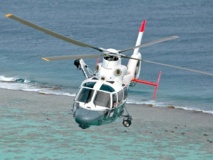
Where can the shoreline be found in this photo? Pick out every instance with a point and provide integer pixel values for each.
(25, 99)
(71, 96)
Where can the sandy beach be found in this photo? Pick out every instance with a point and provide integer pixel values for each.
(42, 125)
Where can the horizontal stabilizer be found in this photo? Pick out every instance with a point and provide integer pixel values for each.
(154, 84)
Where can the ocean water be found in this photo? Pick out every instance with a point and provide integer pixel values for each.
(111, 24)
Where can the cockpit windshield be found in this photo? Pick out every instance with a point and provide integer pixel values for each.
(102, 99)
(85, 95)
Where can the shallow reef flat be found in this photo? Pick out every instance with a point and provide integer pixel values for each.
(39, 126)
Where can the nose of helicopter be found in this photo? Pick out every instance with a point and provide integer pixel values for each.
(86, 118)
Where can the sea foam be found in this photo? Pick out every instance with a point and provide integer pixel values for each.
(15, 83)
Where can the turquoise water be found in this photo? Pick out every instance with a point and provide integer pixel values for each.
(54, 135)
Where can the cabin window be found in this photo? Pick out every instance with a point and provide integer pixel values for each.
(125, 93)
(102, 99)
(120, 96)
(114, 100)
(85, 95)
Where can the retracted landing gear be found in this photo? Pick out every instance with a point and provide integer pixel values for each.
(127, 121)
(83, 126)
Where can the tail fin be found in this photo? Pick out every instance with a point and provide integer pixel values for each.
(140, 36)
(134, 66)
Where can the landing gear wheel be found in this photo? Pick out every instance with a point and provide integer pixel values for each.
(127, 121)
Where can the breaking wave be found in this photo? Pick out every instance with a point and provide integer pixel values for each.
(15, 83)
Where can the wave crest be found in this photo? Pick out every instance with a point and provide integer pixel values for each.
(14, 83)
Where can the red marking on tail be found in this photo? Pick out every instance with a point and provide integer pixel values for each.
(143, 24)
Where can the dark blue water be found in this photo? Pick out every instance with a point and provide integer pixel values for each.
(111, 24)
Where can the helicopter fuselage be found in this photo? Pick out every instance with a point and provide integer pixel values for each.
(99, 102)
(102, 97)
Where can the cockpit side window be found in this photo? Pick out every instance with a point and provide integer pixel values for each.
(85, 95)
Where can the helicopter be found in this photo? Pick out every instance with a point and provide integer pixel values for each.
(103, 94)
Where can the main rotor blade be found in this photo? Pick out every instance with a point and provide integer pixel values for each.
(68, 57)
(128, 57)
(183, 68)
(150, 43)
(54, 34)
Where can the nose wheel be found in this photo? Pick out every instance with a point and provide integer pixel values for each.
(127, 121)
